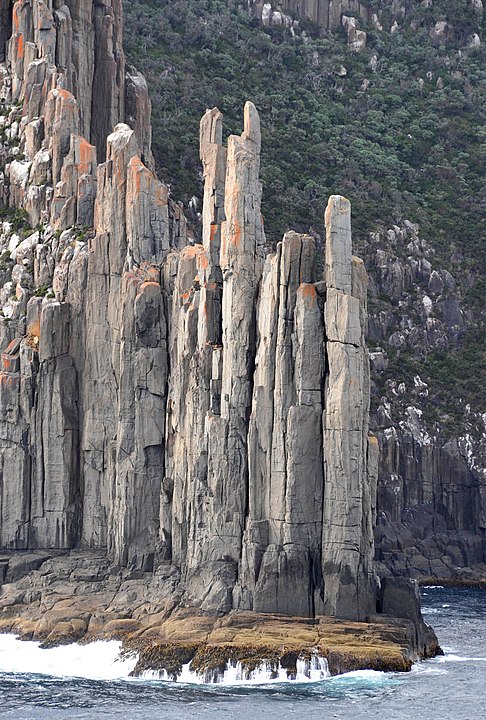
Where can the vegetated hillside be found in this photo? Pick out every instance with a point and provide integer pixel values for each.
(398, 128)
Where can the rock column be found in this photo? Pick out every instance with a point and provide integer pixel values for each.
(280, 569)
(202, 405)
(346, 526)
(217, 296)
(125, 388)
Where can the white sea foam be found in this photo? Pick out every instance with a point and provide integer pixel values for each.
(96, 661)
(428, 669)
(451, 657)
(368, 675)
(433, 587)
(308, 670)
(102, 661)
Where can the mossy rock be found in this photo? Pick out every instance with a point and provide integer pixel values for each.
(213, 659)
(344, 661)
(168, 658)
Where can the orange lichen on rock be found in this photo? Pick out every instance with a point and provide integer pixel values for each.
(191, 251)
(161, 194)
(149, 284)
(65, 95)
(236, 236)
(309, 292)
(20, 46)
(8, 381)
(213, 232)
(203, 261)
(86, 156)
(150, 273)
(10, 363)
(136, 168)
(15, 17)
(131, 278)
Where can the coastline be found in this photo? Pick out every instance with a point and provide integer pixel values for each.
(78, 597)
(211, 644)
(468, 583)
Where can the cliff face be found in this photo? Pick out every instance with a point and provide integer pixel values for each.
(325, 13)
(432, 491)
(332, 14)
(198, 406)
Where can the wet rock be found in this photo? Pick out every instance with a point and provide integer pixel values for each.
(400, 598)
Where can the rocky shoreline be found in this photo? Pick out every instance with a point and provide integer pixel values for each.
(60, 598)
(457, 582)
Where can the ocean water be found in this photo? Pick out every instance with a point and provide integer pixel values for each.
(90, 682)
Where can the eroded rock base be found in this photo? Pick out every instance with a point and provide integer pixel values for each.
(82, 597)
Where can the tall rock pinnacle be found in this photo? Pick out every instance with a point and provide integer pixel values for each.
(349, 488)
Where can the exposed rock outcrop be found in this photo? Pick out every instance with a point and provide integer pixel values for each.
(431, 489)
(356, 38)
(66, 70)
(349, 454)
(64, 598)
(395, 15)
(325, 13)
(198, 406)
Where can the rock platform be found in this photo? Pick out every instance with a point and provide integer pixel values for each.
(60, 598)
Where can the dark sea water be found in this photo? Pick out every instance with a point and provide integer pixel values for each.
(452, 687)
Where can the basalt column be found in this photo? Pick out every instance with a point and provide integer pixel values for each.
(280, 569)
(349, 488)
(126, 361)
(212, 356)
(203, 406)
(196, 354)
(241, 260)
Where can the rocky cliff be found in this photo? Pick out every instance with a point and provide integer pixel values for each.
(431, 496)
(200, 407)
(325, 13)
(426, 328)
(329, 15)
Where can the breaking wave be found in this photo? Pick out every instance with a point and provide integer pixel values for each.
(451, 657)
(103, 661)
(308, 670)
(96, 661)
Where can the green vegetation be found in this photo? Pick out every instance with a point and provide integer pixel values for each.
(400, 131)
(44, 291)
(456, 374)
(18, 219)
(398, 149)
(6, 262)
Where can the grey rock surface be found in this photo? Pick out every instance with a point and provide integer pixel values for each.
(348, 492)
(325, 13)
(431, 488)
(198, 407)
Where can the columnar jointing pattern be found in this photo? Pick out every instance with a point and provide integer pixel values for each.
(325, 13)
(272, 490)
(203, 406)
